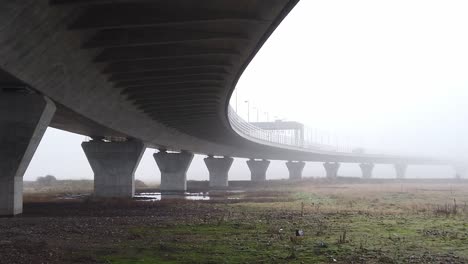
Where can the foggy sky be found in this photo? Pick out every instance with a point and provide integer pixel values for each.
(389, 75)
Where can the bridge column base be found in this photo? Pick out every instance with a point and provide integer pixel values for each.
(114, 165)
(219, 170)
(173, 167)
(366, 169)
(24, 119)
(295, 169)
(258, 169)
(400, 169)
(331, 169)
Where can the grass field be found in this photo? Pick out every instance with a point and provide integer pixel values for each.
(360, 223)
(342, 223)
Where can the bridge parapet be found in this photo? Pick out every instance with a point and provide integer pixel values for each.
(286, 133)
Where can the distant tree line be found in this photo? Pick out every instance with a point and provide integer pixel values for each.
(46, 181)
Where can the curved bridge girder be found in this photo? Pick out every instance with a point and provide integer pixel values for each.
(159, 71)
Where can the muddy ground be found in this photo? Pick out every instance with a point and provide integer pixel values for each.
(342, 223)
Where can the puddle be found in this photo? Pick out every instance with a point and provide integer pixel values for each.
(197, 196)
(72, 196)
(157, 196)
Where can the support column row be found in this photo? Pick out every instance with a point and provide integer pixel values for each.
(24, 118)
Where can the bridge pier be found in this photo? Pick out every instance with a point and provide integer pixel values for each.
(24, 118)
(460, 171)
(366, 169)
(219, 170)
(400, 169)
(173, 167)
(295, 169)
(258, 169)
(331, 169)
(114, 165)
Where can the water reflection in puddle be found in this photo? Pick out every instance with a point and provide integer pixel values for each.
(157, 196)
(197, 196)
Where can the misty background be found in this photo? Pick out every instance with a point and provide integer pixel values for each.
(389, 76)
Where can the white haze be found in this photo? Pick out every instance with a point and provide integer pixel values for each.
(388, 75)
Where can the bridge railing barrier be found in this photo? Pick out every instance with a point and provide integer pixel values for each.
(313, 139)
(275, 136)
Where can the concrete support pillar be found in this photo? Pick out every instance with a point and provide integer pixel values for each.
(460, 171)
(366, 169)
(400, 169)
(114, 165)
(219, 170)
(331, 169)
(24, 119)
(173, 167)
(258, 169)
(295, 169)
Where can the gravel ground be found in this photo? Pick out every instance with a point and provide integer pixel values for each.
(59, 232)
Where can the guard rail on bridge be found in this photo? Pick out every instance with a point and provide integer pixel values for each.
(278, 137)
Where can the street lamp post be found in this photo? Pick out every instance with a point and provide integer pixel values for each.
(256, 109)
(248, 110)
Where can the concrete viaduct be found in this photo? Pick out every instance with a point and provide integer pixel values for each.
(132, 74)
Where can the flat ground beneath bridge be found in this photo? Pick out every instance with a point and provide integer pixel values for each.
(421, 222)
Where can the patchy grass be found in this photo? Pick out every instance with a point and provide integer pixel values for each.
(357, 222)
(354, 225)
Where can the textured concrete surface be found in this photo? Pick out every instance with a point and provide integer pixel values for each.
(164, 79)
(173, 167)
(366, 169)
(295, 169)
(331, 169)
(400, 170)
(258, 169)
(114, 165)
(24, 118)
(219, 170)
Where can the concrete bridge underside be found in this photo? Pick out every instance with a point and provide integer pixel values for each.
(160, 73)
